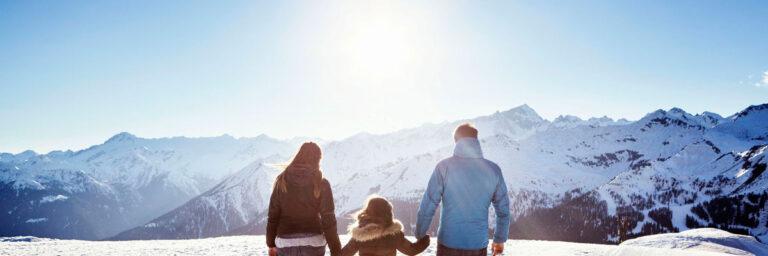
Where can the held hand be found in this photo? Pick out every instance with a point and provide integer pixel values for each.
(498, 248)
(272, 251)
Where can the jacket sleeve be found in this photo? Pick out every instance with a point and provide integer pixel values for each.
(501, 206)
(350, 249)
(429, 203)
(273, 218)
(328, 219)
(408, 248)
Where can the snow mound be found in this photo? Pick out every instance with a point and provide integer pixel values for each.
(703, 239)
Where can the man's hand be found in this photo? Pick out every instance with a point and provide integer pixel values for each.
(272, 251)
(498, 248)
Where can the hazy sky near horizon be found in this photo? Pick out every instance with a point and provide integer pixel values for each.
(74, 73)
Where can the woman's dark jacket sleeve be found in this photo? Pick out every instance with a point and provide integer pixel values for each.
(408, 248)
(273, 218)
(328, 219)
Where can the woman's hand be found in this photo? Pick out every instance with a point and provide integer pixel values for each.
(272, 251)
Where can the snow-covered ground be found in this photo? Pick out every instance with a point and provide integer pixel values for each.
(698, 242)
(703, 239)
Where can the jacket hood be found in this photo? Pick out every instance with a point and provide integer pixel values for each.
(468, 148)
(301, 174)
(373, 231)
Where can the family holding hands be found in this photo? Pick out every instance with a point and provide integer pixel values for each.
(301, 218)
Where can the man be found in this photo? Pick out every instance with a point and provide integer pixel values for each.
(467, 184)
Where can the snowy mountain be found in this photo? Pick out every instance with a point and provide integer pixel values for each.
(595, 180)
(663, 173)
(553, 169)
(341, 160)
(233, 203)
(124, 182)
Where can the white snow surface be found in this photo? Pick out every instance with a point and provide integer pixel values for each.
(700, 242)
(703, 239)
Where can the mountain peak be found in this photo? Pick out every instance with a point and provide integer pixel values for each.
(523, 111)
(27, 153)
(677, 111)
(601, 119)
(655, 114)
(567, 119)
(707, 113)
(523, 108)
(749, 110)
(123, 136)
(658, 114)
(710, 119)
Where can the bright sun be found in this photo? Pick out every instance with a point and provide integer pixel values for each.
(380, 51)
(378, 58)
(375, 47)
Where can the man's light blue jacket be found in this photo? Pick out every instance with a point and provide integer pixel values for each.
(467, 184)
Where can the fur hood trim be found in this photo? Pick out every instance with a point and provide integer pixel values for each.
(373, 231)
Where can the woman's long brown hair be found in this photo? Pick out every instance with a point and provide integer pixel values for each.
(309, 154)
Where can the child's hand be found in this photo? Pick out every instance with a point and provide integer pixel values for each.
(498, 248)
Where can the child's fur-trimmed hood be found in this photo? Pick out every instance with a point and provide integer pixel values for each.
(373, 231)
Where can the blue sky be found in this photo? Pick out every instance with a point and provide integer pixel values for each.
(74, 73)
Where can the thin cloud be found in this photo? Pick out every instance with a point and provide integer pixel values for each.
(764, 82)
(765, 78)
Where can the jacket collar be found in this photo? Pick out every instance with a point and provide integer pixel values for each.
(468, 148)
(373, 231)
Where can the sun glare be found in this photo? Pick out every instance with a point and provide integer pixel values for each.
(371, 45)
(380, 51)
(378, 60)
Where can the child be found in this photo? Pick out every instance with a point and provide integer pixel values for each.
(377, 233)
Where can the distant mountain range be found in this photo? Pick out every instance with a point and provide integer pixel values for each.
(125, 182)
(569, 179)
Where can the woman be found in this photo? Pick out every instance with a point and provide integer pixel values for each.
(377, 233)
(301, 218)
